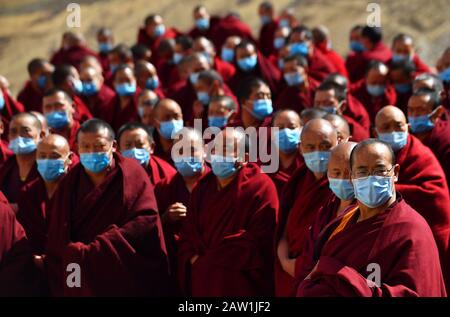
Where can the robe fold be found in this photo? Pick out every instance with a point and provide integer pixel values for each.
(232, 231)
(297, 98)
(319, 67)
(72, 56)
(70, 134)
(398, 241)
(266, 38)
(153, 42)
(225, 69)
(112, 231)
(117, 116)
(82, 112)
(228, 26)
(30, 97)
(100, 103)
(282, 176)
(159, 170)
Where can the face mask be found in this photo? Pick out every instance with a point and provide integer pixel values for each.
(42, 80)
(223, 167)
(403, 88)
(445, 75)
(141, 111)
(159, 30)
(373, 191)
(152, 83)
(342, 188)
(278, 42)
(400, 57)
(397, 139)
(22, 145)
(77, 86)
(202, 24)
(203, 97)
(284, 23)
(140, 155)
(104, 47)
(188, 166)
(95, 162)
(57, 119)
(288, 139)
(50, 170)
(169, 128)
(113, 67)
(317, 161)
(227, 55)
(2, 101)
(357, 47)
(208, 57)
(217, 121)
(293, 79)
(265, 19)
(193, 78)
(329, 109)
(248, 63)
(298, 48)
(177, 57)
(281, 63)
(421, 124)
(89, 88)
(375, 90)
(262, 108)
(126, 89)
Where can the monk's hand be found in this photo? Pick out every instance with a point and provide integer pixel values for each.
(176, 212)
(194, 258)
(197, 109)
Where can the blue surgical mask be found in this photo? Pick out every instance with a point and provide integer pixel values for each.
(278, 42)
(159, 30)
(293, 79)
(169, 128)
(317, 161)
(223, 167)
(42, 80)
(193, 78)
(281, 63)
(357, 46)
(203, 97)
(95, 162)
(400, 57)
(77, 86)
(247, 64)
(403, 88)
(227, 54)
(342, 188)
(140, 155)
(298, 49)
(421, 124)
(375, 90)
(202, 24)
(89, 88)
(288, 139)
(113, 67)
(152, 83)
(104, 47)
(397, 139)
(22, 145)
(57, 119)
(217, 121)
(2, 100)
(208, 57)
(373, 191)
(265, 19)
(284, 23)
(445, 75)
(126, 89)
(176, 58)
(329, 109)
(262, 108)
(50, 170)
(188, 166)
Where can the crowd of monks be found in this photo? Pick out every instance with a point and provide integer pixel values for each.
(359, 205)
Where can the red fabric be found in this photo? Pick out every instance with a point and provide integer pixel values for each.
(210, 33)
(30, 97)
(168, 76)
(228, 26)
(10, 109)
(421, 67)
(232, 231)
(153, 42)
(72, 56)
(402, 101)
(225, 69)
(422, 184)
(398, 240)
(158, 170)
(303, 197)
(114, 226)
(282, 176)
(70, 135)
(104, 61)
(297, 98)
(99, 103)
(356, 66)
(357, 131)
(319, 67)
(334, 58)
(373, 104)
(82, 112)
(117, 116)
(5, 152)
(266, 38)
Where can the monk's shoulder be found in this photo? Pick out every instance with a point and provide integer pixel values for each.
(421, 152)
(166, 166)
(254, 177)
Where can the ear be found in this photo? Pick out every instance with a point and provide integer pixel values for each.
(343, 106)
(396, 172)
(69, 158)
(42, 134)
(114, 146)
(438, 113)
(152, 148)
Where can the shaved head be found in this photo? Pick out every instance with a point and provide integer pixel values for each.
(319, 129)
(341, 126)
(55, 141)
(388, 118)
(340, 154)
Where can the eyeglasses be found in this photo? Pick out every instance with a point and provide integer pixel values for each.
(383, 172)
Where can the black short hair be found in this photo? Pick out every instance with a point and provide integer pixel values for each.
(139, 51)
(134, 126)
(105, 31)
(35, 64)
(438, 86)
(244, 43)
(341, 94)
(373, 33)
(186, 42)
(402, 37)
(247, 87)
(122, 67)
(408, 68)
(61, 73)
(150, 18)
(227, 101)
(301, 29)
(266, 5)
(123, 52)
(94, 126)
(301, 61)
(434, 96)
(312, 113)
(338, 79)
(54, 91)
(210, 76)
(375, 64)
(37, 123)
(369, 142)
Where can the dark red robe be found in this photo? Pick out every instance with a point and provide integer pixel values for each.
(11, 108)
(398, 240)
(99, 103)
(356, 110)
(30, 97)
(421, 67)
(319, 67)
(72, 56)
(228, 26)
(115, 227)
(168, 75)
(402, 101)
(225, 69)
(266, 38)
(117, 116)
(355, 63)
(357, 131)
(282, 176)
(297, 98)
(232, 231)
(210, 33)
(82, 112)
(334, 58)
(5, 152)
(159, 170)
(104, 61)
(153, 42)
(70, 135)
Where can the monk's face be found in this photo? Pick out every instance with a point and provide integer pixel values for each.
(259, 92)
(426, 83)
(375, 77)
(25, 127)
(46, 71)
(293, 67)
(103, 38)
(287, 120)
(147, 101)
(343, 132)
(232, 42)
(247, 51)
(229, 144)
(198, 65)
(167, 110)
(90, 142)
(218, 109)
(402, 47)
(58, 102)
(203, 45)
(355, 35)
(326, 99)
(189, 146)
(282, 32)
(145, 73)
(124, 76)
(339, 165)
(203, 86)
(399, 77)
(52, 148)
(137, 138)
(201, 13)
(150, 27)
(318, 139)
(91, 75)
(391, 120)
(420, 106)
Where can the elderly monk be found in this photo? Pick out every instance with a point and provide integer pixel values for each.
(147, 101)
(229, 252)
(222, 111)
(382, 233)
(421, 181)
(306, 191)
(403, 49)
(104, 214)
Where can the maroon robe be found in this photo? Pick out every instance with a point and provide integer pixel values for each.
(333, 57)
(355, 63)
(159, 170)
(356, 110)
(82, 112)
(104, 61)
(297, 98)
(229, 26)
(70, 135)
(282, 176)
(153, 42)
(5, 152)
(402, 101)
(266, 38)
(225, 69)
(398, 240)
(99, 103)
(209, 33)
(10, 109)
(30, 97)
(168, 75)
(117, 116)
(319, 67)
(72, 56)
(234, 242)
(421, 67)
(114, 226)
(357, 131)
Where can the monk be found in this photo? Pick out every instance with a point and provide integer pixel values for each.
(104, 214)
(205, 24)
(421, 181)
(374, 91)
(403, 49)
(311, 113)
(228, 49)
(54, 158)
(222, 111)
(147, 101)
(8, 108)
(141, 53)
(355, 59)
(119, 55)
(280, 50)
(333, 99)
(341, 125)
(428, 121)
(288, 145)
(5, 152)
(401, 74)
(73, 49)
(58, 110)
(229, 252)
(306, 191)
(269, 24)
(380, 248)
(300, 89)
(31, 94)
(288, 18)
(147, 78)
(25, 132)
(43, 121)
(136, 142)
(231, 25)
(105, 42)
